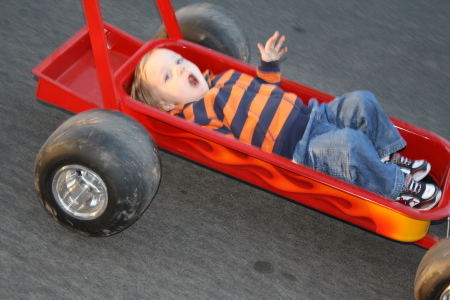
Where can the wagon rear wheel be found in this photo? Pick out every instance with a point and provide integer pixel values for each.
(97, 173)
(211, 26)
(433, 274)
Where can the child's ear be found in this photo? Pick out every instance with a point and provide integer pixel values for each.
(166, 106)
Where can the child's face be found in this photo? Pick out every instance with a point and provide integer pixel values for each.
(177, 80)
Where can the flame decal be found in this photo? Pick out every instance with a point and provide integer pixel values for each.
(302, 189)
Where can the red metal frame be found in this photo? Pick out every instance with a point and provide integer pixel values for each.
(94, 69)
(169, 19)
(99, 45)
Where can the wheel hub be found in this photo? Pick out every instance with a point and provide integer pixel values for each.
(445, 294)
(80, 192)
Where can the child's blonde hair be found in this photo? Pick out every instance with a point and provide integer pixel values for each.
(141, 90)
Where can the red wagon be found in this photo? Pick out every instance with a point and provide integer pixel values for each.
(99, 171)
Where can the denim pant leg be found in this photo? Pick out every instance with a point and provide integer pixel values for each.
(347, 139)
(348, 154)
(361, 111)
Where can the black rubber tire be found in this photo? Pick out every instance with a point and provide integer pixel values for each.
(433, 273)
(211, 26)
(119, 150)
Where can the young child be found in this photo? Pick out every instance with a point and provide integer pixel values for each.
(350, 138)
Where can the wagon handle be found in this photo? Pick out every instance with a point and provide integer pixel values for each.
(170, 21)
(97, 37)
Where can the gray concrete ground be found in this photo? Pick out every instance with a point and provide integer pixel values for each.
(207, 236)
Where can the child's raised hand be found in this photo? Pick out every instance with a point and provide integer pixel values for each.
(272, 51)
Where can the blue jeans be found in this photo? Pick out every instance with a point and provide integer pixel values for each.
(347, 138)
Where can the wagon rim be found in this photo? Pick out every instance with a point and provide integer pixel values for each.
(80, 192)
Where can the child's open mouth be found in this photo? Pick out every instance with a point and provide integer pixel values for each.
(193, 81)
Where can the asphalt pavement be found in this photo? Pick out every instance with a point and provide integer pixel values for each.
(206, 235)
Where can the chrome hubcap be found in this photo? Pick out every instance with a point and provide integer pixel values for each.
(80, 192)
(446, 294)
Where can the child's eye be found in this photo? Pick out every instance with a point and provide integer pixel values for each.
(179, 61)
(167, 77)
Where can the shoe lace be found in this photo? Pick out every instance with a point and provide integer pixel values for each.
(403, 160)
(413, 187)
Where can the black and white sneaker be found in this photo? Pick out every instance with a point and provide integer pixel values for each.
(420, 195)
(417, 168)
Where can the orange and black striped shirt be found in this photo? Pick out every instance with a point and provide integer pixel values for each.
(253, 110)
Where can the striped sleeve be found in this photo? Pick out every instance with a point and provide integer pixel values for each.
(269, 72)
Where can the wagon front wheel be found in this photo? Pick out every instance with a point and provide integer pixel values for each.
(98, 172)
(213, 27)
